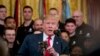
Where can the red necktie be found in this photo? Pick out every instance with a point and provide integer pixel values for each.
(48, 42)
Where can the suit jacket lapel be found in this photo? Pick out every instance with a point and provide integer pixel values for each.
(56, 44)
(40, 38)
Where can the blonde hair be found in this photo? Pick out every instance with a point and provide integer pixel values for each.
(51, 18)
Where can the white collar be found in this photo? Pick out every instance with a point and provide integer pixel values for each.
(46, 36)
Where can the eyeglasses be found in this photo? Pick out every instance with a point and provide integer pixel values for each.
(76, 16)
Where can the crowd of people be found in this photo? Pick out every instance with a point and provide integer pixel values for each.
(48, 36)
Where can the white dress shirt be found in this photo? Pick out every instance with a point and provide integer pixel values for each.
(45, 38)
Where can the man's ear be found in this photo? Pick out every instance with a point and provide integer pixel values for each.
(57, 27)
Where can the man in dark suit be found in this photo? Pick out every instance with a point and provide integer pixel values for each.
(55, 45)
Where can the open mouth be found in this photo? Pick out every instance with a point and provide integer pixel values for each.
(50, 30)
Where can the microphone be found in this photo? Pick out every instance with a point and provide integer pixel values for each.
(43, 46)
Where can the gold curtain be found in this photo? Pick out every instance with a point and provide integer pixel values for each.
(74, 5)
(84, 9)
(79, 5)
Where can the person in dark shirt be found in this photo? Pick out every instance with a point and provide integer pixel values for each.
(70, 26)
(26, 27)
(3, 14)
(82, 28)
